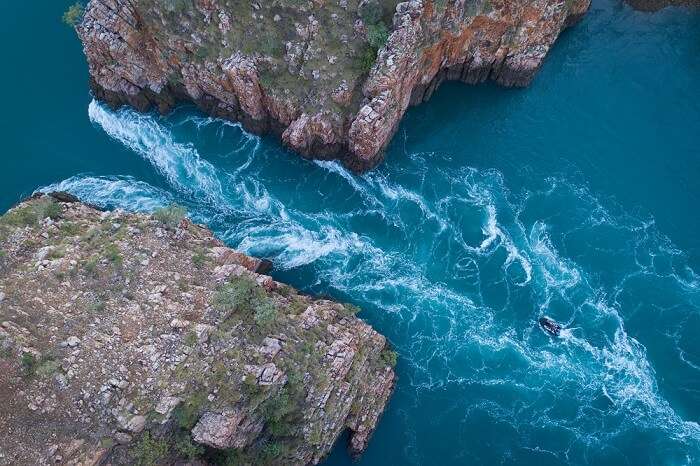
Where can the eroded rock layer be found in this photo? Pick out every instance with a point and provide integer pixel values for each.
(129, 339)
(330, 77)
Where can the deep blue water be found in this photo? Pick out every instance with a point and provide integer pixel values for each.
(577, 197)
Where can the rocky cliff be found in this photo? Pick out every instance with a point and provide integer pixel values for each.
(132, 339)
(331, 77)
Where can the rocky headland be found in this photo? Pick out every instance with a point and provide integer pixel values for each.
(332, 78)
(135, 339)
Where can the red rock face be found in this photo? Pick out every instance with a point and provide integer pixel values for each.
(507, 45)
(431, 41)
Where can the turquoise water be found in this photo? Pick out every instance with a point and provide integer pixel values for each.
(576, 197)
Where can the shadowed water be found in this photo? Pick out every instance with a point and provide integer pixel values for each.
(576, 198)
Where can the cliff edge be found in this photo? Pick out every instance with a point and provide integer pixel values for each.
(135, 339)
(332, 78)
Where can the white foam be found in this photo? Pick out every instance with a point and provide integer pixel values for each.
(123, 192)
(179, 163)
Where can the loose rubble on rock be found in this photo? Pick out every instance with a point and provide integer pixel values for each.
(332, 78)
(134, 339)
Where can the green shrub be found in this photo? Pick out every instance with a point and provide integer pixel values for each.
(377, 35)
(42, 367)
(270, 451)
(170, 216)
(29, 364)
(388, 357)
(240, 295)
(278, 413)
(187, 448)
(74, 14)
(366, 60)
(48, 208)
(149, 450)
(187, 412)
(235, 457)
(266, 313)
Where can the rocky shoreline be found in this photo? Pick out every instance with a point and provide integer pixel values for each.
(306, 71)
(135, 339)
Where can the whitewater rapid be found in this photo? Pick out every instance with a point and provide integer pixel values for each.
(450, 264)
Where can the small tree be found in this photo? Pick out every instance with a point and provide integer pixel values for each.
(74, 14)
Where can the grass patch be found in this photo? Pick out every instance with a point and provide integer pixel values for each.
(43, 367)
(69, 228)
(47, 368)
(32, 213)
(112, 253)
(190, 339)
(199, 259)
(57, 253)
(297, 305)
(90, 266)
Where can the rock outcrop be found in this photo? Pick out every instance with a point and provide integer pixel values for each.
(332, 78)
(132, 339)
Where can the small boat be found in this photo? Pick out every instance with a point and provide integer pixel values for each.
(550, 326)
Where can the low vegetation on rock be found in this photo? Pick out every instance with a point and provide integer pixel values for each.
(115, 347)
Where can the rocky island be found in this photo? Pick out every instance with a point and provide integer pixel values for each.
(135, 339)
(332, 78)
